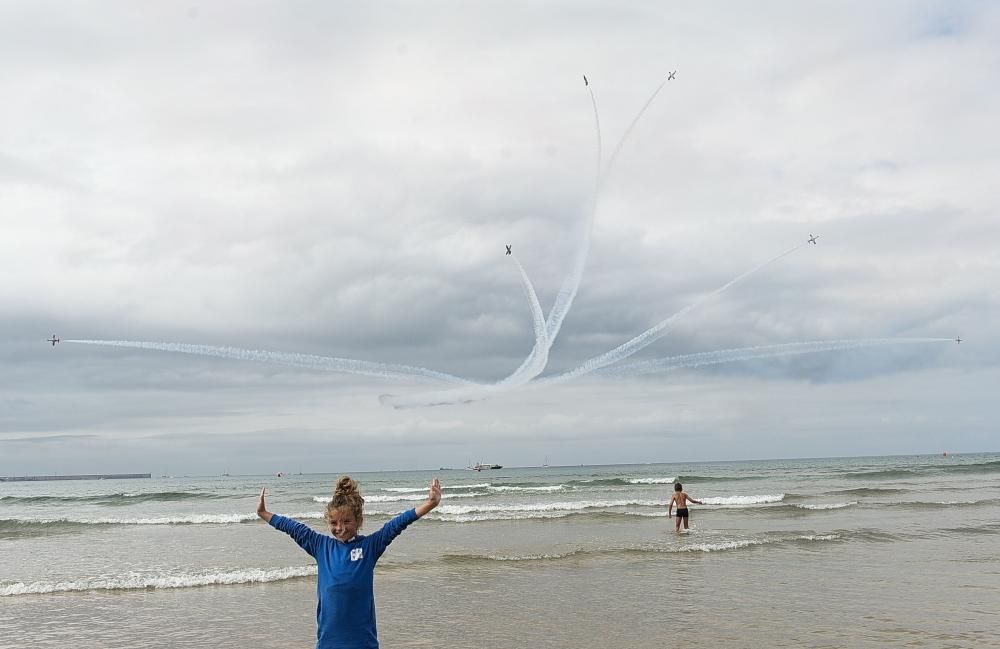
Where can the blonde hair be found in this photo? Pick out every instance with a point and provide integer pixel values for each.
(346, 494)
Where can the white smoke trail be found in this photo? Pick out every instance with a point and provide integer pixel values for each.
(536, 361)
(309, 361)
(600, 149)
(529, 369)
(684, 361)
(571, 285)
(658, 330)
(532, 366)
(701, 359)
(628, 131)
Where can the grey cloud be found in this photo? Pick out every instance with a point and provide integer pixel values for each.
(340, 179)
(43, 439)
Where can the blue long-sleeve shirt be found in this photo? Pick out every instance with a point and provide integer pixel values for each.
(345, 612)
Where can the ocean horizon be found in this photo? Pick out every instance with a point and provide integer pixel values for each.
(146, 474)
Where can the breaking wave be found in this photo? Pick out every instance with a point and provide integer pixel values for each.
(134, 581)
(112, 499)
(686, 545)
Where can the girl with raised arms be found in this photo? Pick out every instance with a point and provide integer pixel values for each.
(345, 615)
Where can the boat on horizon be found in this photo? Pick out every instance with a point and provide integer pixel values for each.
(479, 466)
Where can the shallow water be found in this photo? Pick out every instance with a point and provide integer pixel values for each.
(856, 552)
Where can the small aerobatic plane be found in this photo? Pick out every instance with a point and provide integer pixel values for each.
(508, 248)
(671, 75)
(958, 340)
(53, 340)
(812, 238)
(585, 82)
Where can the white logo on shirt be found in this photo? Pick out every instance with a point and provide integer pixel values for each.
(357, 554)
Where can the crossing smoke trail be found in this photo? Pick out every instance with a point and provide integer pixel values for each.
(623, 351)
(532, 366)
(571, 285)
(658, 330)
(545, 330)
(535, 363)
(325, 363)
(688, 361)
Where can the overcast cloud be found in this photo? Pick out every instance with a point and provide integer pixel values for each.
(340, 179)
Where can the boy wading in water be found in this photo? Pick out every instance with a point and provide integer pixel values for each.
(345, 615)
(681, 499)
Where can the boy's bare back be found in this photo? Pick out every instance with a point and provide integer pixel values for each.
(680, 499)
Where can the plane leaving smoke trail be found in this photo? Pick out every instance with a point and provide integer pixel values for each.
(600, 150)
(546, 331)
(628, 131)
(571, 285)
(564, 300)
(658, 330)
(532, 366)
(688, 361)
(535, 363)
(325, 363)
(651, 335)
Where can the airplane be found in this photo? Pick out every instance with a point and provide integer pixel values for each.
(671, 75)
(958, 340)
(53, 340)
(812, 238)
(508, 248)
(585, 82)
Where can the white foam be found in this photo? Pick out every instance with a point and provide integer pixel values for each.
(555, 487)
(652, 480)
(498, 516)
(481, 485)
(523, 516)
(724, 545)
(819, 537)
(829, 505)
(745, 543)
(528, 557)
(189, 519)
(405, 497)
(541, 507)
(521, 511)
(134, 581)
(742, 501)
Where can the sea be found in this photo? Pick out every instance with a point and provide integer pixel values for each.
(835, 552)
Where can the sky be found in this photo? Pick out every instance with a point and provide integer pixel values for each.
(341, 179)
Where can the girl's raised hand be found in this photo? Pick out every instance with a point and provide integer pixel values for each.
(433, 498)
(262, 508)
(435, 493)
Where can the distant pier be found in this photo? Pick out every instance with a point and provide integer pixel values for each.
(95, 476)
